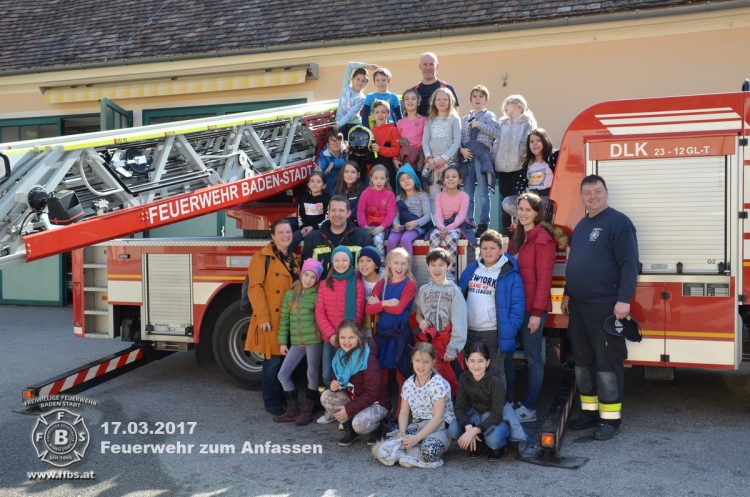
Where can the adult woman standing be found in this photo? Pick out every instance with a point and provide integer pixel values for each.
(272, 271)
(534, 248)
(510, 148)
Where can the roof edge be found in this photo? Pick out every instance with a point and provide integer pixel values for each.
(707, 6)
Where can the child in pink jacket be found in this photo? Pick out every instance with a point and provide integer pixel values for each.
(340, 296)
(377, 207)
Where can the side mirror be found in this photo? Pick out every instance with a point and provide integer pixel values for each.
(4, 169)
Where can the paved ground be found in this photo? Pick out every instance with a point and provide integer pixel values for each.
(688, 437)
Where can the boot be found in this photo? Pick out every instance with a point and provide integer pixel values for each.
(377, 433)
(349, 435)
(292, 408)
(306, 413)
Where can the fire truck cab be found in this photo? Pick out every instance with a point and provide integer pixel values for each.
(677, 166)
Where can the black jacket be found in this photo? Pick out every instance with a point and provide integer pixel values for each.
(318, 243)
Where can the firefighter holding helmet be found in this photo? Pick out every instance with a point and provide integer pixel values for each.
(601, 276)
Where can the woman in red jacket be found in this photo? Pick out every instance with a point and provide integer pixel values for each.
(534, 248)
(357, 396)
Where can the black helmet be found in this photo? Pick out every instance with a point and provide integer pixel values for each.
(627, 328)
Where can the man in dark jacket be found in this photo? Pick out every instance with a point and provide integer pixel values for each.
(600, 280)
(337, 230)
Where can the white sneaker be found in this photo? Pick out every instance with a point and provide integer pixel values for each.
(326, 418)
(525, 415)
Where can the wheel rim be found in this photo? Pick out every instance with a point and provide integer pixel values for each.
(247, 361)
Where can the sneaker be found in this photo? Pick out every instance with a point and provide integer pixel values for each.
(477, 453)
(326, 418)
(583, 422)
(525, 415)
(605, 431)
(481, 228)
(496, 454)
(528, 450)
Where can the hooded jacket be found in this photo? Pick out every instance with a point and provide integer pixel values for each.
(511, 146)
(318, 243)
(510, 303)
(536, 259)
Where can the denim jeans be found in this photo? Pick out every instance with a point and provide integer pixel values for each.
(482, 191)
(532, 348)
(273, 393)
(327, 361)
(495, 437)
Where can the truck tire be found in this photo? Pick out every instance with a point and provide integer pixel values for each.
(242, 367)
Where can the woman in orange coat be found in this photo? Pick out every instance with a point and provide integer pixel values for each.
(268, 284)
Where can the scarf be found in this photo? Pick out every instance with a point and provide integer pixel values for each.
(288, 261)
(350, 301)
(356, 363)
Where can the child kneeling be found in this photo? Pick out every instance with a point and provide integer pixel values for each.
(357, 397)
(427, 398)
(483, 418)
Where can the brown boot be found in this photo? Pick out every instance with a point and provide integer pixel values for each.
(306, 413)
(292, 408)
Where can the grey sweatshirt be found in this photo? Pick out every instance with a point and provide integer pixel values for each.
(419, 205)
(442, 305)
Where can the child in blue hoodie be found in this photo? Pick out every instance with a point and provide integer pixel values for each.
(495, 301)
(332, 158)
(412, 219)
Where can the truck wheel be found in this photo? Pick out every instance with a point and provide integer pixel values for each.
(242, 367)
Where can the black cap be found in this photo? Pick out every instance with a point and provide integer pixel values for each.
(627, 328)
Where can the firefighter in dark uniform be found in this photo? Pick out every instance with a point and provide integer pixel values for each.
(600, 280)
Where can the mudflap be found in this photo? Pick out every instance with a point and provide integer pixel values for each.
(553, 429)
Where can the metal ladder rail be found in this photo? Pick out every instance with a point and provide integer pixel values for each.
(176, 168)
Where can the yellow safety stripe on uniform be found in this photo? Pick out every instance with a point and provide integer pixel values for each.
(589, 402)
(610, 411)
(609, 415)
(325, 249)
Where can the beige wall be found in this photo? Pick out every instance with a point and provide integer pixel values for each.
(560, 71)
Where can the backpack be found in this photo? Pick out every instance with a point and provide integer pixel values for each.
(244, 299)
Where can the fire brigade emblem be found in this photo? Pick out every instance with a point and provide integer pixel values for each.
(60, 438)
(594, 234)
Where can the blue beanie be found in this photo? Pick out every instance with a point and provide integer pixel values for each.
(372, 253)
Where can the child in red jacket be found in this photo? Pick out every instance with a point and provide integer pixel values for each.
(341, 296)
(387, 139)
(357, 396)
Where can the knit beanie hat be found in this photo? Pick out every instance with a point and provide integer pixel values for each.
(312, 265)
(372, 253)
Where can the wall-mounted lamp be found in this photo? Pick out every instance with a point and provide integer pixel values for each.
(505, 79)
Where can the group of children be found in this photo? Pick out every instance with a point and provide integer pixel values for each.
(426, 160)
(394, 358)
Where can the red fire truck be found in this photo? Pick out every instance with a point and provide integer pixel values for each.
(674, 165)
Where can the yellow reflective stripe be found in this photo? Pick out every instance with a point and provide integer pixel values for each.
(320, 250)
(589, 403)
(610, 407)
(609, 415)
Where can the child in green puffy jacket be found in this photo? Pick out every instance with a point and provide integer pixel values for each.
(298, 327)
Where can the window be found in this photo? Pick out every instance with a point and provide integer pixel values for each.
(159, 116)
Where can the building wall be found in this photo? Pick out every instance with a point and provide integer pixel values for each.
(560, 70)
